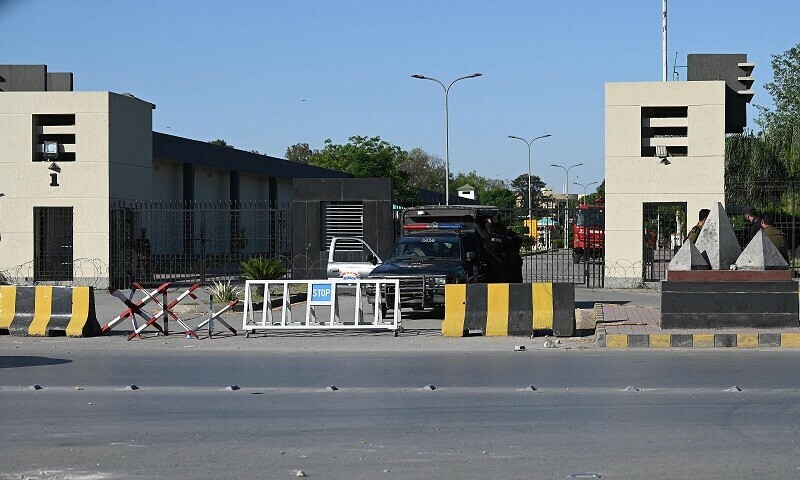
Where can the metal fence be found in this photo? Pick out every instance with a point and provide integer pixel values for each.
(778, 199)
(186, 242)
(663, 233)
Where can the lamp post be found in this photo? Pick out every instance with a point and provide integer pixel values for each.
(446, 128)
(584, 188)
(530, 202)
(566, 197)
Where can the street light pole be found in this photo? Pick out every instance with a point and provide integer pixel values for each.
(530, 202)
(566, 197)
(584, 189)
(446, 127)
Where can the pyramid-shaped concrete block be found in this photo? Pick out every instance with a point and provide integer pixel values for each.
(761, 254)
(717, 242)
(688, 258)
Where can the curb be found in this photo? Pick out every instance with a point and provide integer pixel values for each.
(695, 340)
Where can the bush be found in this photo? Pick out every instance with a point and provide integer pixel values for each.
(4, 279)
(225, 292)
(263, 269)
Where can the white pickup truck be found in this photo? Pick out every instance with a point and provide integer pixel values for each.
(351, 258)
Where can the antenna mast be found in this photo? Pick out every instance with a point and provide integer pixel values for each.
(663, 40)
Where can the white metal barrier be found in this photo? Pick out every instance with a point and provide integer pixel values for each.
(323, 293)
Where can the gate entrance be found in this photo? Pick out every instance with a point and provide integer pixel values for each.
(664, 231)
(52, 244)
(562, 243)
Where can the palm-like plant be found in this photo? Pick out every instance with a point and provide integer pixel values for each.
(225, 292)
(263, 269)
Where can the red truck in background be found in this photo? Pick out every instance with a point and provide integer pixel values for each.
(588, 232)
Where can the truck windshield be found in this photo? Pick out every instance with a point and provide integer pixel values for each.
(427, 247)
(590, 217)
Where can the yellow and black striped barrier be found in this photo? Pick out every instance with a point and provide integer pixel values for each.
(502, 309)
(48, 311)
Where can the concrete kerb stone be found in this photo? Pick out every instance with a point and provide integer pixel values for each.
(660, 340)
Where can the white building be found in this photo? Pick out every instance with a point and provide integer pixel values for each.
(54, 209)
(665, 145)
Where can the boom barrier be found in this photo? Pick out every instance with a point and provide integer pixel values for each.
(323, 305)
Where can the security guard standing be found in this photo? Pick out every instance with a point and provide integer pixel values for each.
(695, 231)
(777, 237)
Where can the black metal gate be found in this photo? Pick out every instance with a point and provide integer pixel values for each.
(52, 244)
(186, 242)
(663, 232)
(560, 243)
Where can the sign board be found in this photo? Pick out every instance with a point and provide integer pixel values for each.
(321, 293)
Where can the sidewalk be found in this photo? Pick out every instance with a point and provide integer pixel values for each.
(630, 326)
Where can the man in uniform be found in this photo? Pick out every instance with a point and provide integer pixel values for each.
(753, 220)
(695, 231)
(492, 235)
(777, 237)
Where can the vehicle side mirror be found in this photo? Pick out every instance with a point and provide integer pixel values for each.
(372, 259)
(472, 256)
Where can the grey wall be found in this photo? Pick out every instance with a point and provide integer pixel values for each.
(375, 194)
(23, 78)
(704, 67)
(59, 82)
(33, 78)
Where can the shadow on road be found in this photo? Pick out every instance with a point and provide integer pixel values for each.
(16, 361)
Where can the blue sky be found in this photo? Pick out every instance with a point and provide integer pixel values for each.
(268, 74)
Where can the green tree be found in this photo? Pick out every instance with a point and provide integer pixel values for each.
(481, 183)
(520, 188)
(368, 157)
(221, 143)
(785, 92)
(499, 197)
(424, 170)
(299, 152)
(599, 195)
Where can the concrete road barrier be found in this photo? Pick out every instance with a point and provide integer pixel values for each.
(503, 309)
(48, 311)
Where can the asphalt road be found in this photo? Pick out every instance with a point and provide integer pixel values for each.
(479, 422)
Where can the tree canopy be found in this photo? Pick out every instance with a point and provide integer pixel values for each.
(599, 195)
(299, 152)
(221, 143)
(481, 184)
(424, 170)
(785, 92)
(773, 154)
(520, 187)
(367, 157)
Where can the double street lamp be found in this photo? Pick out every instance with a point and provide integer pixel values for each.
(446, 128)
(584, 188)
(566, 170)
(530, 204)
